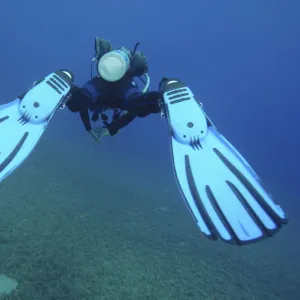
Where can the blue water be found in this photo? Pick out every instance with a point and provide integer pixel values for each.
(115, 206)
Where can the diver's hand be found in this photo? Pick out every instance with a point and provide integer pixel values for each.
(99, 133)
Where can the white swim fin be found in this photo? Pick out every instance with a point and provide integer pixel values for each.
(223, 193)
(23, 120)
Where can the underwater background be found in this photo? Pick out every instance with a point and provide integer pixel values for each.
(81, 220)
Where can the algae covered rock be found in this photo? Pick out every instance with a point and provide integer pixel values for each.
(7, 285)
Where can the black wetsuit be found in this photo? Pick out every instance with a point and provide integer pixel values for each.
(97, 95)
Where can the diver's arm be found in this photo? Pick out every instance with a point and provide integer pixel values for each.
(138, 105)
(119, 123)
(79, 102)
(113, 128)
(144, 104)
(86, 119)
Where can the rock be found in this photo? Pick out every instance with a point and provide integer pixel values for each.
(7, 285)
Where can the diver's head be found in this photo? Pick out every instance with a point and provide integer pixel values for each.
(113, 65)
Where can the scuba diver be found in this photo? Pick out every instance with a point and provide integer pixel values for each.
(224, 195)
(114, 88)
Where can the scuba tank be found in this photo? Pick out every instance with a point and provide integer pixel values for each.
(137, 67)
